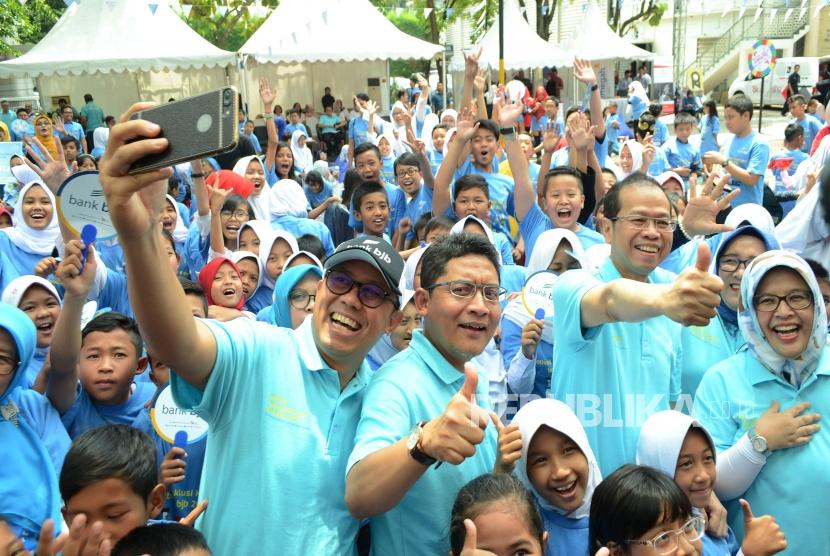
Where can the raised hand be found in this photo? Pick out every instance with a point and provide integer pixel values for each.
(584, 72)
(191, 518)
(510, 445)
(580, 134)
(466, 123)
(551, 138)
(81, 540)
(75, 274)
(471, 65)
(470, 541)
(788, 428)
(454, 435)
(46, 266)
(134, 201)
(217, 198)
(702, 209)
(480, 81)
(762, 535)
(267, 94)
(531, 336)
(695, 294)
(508, 112)
(173, 466)
(371, 107)
(52, 171)
(648, 151)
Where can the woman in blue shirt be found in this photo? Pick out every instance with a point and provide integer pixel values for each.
(709, 127)
(754, 404)
(638, 99)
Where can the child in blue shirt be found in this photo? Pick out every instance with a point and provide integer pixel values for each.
(106, 356)
(786, 163)
(417, 184)
(683, 157)
(661, 130)
(556, 464)
(34, 441)
(551, 119)
(810, 124)
(371, 209)
(709, 127)
(367, 162)
(612, 128)
(646, 128)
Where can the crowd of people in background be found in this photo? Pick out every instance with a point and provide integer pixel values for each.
(344, 300)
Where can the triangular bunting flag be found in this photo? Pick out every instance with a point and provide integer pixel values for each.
(222, 10)
(818, 9)
(22, 1)
(325, 15)
(803, 11)
(186, 9)
(741, 13)
(427, 11)
(757, 14)
(153, 8)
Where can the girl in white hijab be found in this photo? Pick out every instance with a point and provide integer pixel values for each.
(303, 159)
(557, 465)
(631, 158)
(252, 168)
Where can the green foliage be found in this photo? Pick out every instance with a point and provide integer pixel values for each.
(26, 23)
(230, 30)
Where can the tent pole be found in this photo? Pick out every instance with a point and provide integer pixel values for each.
(501, 42)
(243, 83)
(137, 87)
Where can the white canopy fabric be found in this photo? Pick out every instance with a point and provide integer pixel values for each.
(332, 31)
(105, 36)
(523, 48)
(595, 41)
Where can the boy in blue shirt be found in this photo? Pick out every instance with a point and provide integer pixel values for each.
(612, 128)
(808, 122)
(788, 160)
(371, 209)
(748, 155)
(551, 119)
(358, 130)
(661, 130)
(414, 176)
(293, 125)
(367, 163)
(106, 356)
(683, 157)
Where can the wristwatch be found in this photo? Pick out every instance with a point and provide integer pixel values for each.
(759, 443)
(594, 87)
(413, 444)
(507, 131)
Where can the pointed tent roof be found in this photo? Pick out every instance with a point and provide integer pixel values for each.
(115, 36)
(523, 48)
(595, 41)
(332, 30)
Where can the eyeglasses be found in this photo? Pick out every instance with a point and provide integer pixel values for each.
(7, 365)
(299, 299)
(467, 290)
(797, 300)
(370, 295)
(666, 543)
(407, 173)
(731, 264)
(639, 222)
(238, 214)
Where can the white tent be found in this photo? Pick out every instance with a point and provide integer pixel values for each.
(124, 50)
(595, 41)
(302, 45)
(523, 48)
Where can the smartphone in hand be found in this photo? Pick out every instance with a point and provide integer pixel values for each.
(196, 127)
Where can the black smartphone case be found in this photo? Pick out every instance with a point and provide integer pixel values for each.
(196, 127)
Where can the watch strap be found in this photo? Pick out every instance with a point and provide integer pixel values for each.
(417, 453)
(507, 131)
(594, 87)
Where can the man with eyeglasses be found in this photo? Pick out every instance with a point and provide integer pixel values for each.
(423, 431)
(618, 356)
(282, 405)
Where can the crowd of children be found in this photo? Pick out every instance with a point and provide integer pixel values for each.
(362, 350)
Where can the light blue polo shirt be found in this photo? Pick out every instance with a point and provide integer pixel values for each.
(536, 222)
(682, 155)
(416, 385)
(614, 376)
(751, 153)
(794, 482)
(704, 346)
(280, 434)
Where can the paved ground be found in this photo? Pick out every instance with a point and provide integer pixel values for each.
(773, 125)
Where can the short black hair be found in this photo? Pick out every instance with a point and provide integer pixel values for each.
(486, 490)
(490, 126)
(21, 109)
(797, 98)
(470, 181)
(684, 118)
(792, 131)
(312, 244)
(740, 103)
(109, 119)
(87, 97)
(362, 96)
(655, 109)
(561, 171)
(350, 182)
(82, 157)
(421, 222)
(571, 109)
(164, 539)
(441, 221)
(712, 106)
(314, 177)
(69, 139)
(193, 288)
(110, 452)
(636, 179)
(365, 147)
(453, 246)
(818, 269)
(234, 201)
(107, 322)
(445, 127)
(632, 500)
(366, 188)
(407, 159)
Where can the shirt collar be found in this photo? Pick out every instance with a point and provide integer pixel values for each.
(436, 362)
(310, 355)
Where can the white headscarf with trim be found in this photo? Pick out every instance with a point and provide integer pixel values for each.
(26, 238)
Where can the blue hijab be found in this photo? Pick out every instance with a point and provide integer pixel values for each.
(286, 282)
(33, 439)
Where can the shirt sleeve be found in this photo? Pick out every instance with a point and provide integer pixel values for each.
(567, 309)
(758, 159)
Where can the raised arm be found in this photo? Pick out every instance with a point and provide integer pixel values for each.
(479, 83)
(199, 188)
(267, 94)
(523, 194)
(217, 200)
(470, 73)
(549, 141)
(466, 126)
(65, 350)
(135, 202)
(584, 72)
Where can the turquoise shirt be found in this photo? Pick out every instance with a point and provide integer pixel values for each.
(614, 376)
(704, 346)
(794, 482)
(416, 385)
(280, 433)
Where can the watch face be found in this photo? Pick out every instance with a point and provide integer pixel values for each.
(412, 441)
(759, 443)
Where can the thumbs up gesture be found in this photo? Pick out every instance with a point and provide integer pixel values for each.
(470, 541)
(510, 446)
(695, 294)
(762, 535)
(454, 435)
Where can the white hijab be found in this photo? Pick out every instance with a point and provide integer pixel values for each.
(452, 113)
(261, 228)
(311, 256)
(180, 229)
(17, 288)
(636, 89)
(34, 242)
(410, 266)
(259, 202)
(447, 137)
(559, 417)
(265, 246)
(636, 150)
(100, 137)
(237, 256)
(756, 215)
(458, 227)
(430, 121)
(303, 159)
(288, 199)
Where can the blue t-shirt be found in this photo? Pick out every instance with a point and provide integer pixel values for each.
(613, 135)
(751, 153)
(280, 123)
(76, 130)
(558, 124)
(705, 346)
(709, 129)
(327, 123)
(730, 399)
(511, 344)
(661, 133)
(358, 131)
(86, 413)
(566, 536)
(536, 222)
(811, 127)
(397, 209)
(281, 431)
(291, 128)
(797, 156)
(614, 376)
(501, 195)
(419, 204)
(638, 106)
(681, 155)
(416, 385)
(660, 163)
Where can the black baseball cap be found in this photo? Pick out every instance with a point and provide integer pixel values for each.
(378, 253)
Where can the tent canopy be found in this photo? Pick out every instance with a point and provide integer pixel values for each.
(595, 41)
(523, 48)
(332, 31)
(115, 36)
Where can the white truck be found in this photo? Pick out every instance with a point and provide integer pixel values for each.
(775, 82)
